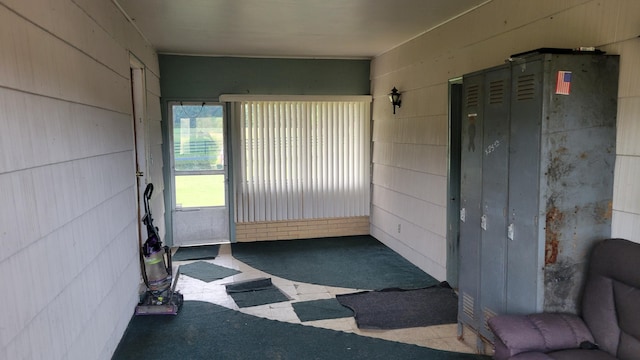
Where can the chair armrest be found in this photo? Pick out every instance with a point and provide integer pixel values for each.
(516, 334)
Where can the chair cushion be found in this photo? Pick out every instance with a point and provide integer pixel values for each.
(537, 332)
(565, 355)
(533, 355)
(580, 355)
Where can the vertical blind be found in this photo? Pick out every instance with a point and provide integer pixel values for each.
(297, 159)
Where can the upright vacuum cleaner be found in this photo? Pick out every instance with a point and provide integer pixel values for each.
(160, 297)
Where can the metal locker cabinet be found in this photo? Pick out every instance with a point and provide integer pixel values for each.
(470, 198)
(495, 181)
(484, 178)
(561, 176)
(555, 173)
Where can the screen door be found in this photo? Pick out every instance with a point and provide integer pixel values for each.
(200, 213)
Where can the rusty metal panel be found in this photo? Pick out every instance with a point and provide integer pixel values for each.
(577, 160)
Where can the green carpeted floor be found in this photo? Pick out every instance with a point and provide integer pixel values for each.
(206, 331)
(358, 262)
(203, 330)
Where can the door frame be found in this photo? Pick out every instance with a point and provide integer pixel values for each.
(453, 180)
(170, 173)
(140, 135)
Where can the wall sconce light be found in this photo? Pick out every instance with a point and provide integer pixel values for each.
(394, 97)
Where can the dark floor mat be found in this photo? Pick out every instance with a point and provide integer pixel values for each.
(255, 292)
(357, 262)
(320, 310)
(398, 309)
(207, 272)
(196, 253)
(206, 331)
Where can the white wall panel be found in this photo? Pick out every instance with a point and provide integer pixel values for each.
(411, 235)
(153, 84)
(630, 83)
(420, 213)
(75, 28)
(626, 226)
(107, 16)
(68, 216)
(417, 130)
(419, 259)
(43, 64)
(628, 126)
(20, 223)
(423, 158)
(411, 182)
(627, 195)
(80, 245)
(154, 137)
(154, 118)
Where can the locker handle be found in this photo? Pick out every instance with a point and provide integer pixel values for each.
(463, 214)
(510, 231)
(483, 222)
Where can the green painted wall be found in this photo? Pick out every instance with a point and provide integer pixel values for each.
(198, 77)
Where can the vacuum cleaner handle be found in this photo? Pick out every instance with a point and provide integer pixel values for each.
(148, 191)
(167, 251)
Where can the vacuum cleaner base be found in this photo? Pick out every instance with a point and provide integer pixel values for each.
(160, 305)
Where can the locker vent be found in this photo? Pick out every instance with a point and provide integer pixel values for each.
(473, 93)
(467, 305)
(525, 87)
(486, 315)
(496, 92)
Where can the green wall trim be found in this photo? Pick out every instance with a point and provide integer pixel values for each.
(200, 77)
(205, 78)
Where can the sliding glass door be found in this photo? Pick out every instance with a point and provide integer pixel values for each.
(200, 214)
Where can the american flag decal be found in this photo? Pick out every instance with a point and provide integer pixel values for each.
(563, 84)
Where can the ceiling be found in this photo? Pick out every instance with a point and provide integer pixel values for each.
(287, 28)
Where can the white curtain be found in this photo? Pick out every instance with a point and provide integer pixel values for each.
(301, 159)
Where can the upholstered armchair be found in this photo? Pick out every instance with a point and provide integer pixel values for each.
(609, 325)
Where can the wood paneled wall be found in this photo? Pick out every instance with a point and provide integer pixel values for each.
(69, 261)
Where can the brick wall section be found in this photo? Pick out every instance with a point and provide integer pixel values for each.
(302, 229)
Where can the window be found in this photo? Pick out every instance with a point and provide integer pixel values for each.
(198, 155)
(302, 158)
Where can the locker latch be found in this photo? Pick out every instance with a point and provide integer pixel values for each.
(463, 214)
(510, 231)
(483, 222)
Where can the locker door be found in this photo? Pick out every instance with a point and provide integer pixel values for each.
(470, 197)
(495, 175)
(524, 273)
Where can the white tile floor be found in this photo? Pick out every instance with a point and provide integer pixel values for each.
(443, 337)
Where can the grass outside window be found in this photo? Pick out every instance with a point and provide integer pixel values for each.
(193, 191)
